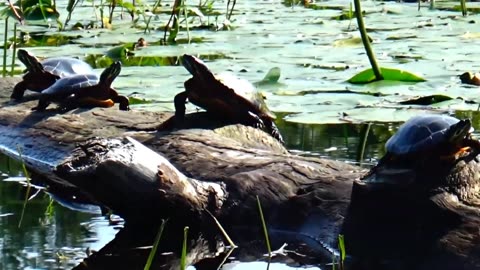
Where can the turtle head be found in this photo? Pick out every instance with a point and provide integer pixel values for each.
(198, 69)
(110, 73)
(31, 62)
(459, 131)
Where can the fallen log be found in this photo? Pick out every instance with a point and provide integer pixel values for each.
(219, 167)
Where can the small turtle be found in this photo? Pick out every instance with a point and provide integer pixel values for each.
(41, 75)
(224, 95)
(84, 91)
(432, 133)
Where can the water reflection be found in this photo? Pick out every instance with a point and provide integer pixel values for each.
(49, 236)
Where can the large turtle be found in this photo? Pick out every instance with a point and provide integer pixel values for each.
(431, 134)
(41, 75)
(426, 138)
(225, 96)
(85, 90)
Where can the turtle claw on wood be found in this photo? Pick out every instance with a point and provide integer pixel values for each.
(224, 96)
(41, 75)
(85, 90)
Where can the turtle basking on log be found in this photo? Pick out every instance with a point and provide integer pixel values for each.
(225, 96)
(428, 136)
(419, 208)
(84, 90)
(41, 75)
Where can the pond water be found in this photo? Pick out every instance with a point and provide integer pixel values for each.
(318, 112)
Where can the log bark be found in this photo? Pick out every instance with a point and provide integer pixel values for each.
(201, 165)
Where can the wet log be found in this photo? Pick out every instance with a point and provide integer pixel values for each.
(182, 171)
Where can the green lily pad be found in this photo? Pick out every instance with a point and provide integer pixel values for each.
(390, 74)
(272, 77)
(136, 101)
(426, 100)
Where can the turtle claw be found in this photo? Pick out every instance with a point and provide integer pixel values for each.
(257, 122)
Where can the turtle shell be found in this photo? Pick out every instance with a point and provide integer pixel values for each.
(67, 86)
(226, 89)
(426, 131)
(66, 66)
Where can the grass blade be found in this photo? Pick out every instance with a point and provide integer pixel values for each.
(264, 225)
(229, 240)
(27, 194)
(155, 246)
(341, 247)
(183, 258)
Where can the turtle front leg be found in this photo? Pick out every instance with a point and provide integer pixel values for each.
(43, 103)
(179, 101)
(19, 91)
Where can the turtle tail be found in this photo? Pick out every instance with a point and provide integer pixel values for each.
(110, 73)
(30, 61)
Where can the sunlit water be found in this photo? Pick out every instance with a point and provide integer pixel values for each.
(315, 56)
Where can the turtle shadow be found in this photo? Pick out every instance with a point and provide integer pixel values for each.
(25, 99)
(197, 120)
(37, 116)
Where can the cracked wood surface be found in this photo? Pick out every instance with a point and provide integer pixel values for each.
(245, 161)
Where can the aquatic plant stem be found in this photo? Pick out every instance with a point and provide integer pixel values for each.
(366, 42)
(463, 6)
(185, 13)
(363, 138)
(5, 45)
(14, 54)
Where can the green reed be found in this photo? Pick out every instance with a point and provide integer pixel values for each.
(366, 41)
(156, 243)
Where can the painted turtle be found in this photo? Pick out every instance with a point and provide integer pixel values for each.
(224, 95)
(85, 90)
(432, 133)
(41, 75)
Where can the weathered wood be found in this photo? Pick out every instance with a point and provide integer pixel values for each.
(225, 167)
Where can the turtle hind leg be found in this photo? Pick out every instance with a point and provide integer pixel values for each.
(19, 91)
(254, 121)
(273, 130)
(42, 104)
(179, 101)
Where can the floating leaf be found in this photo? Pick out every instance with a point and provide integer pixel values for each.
(136, 100)
(120, 52)
(390, 74)
(272, 76)
(426, 100)
(351, 41)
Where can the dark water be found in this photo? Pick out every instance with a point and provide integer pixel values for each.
(49, 236)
